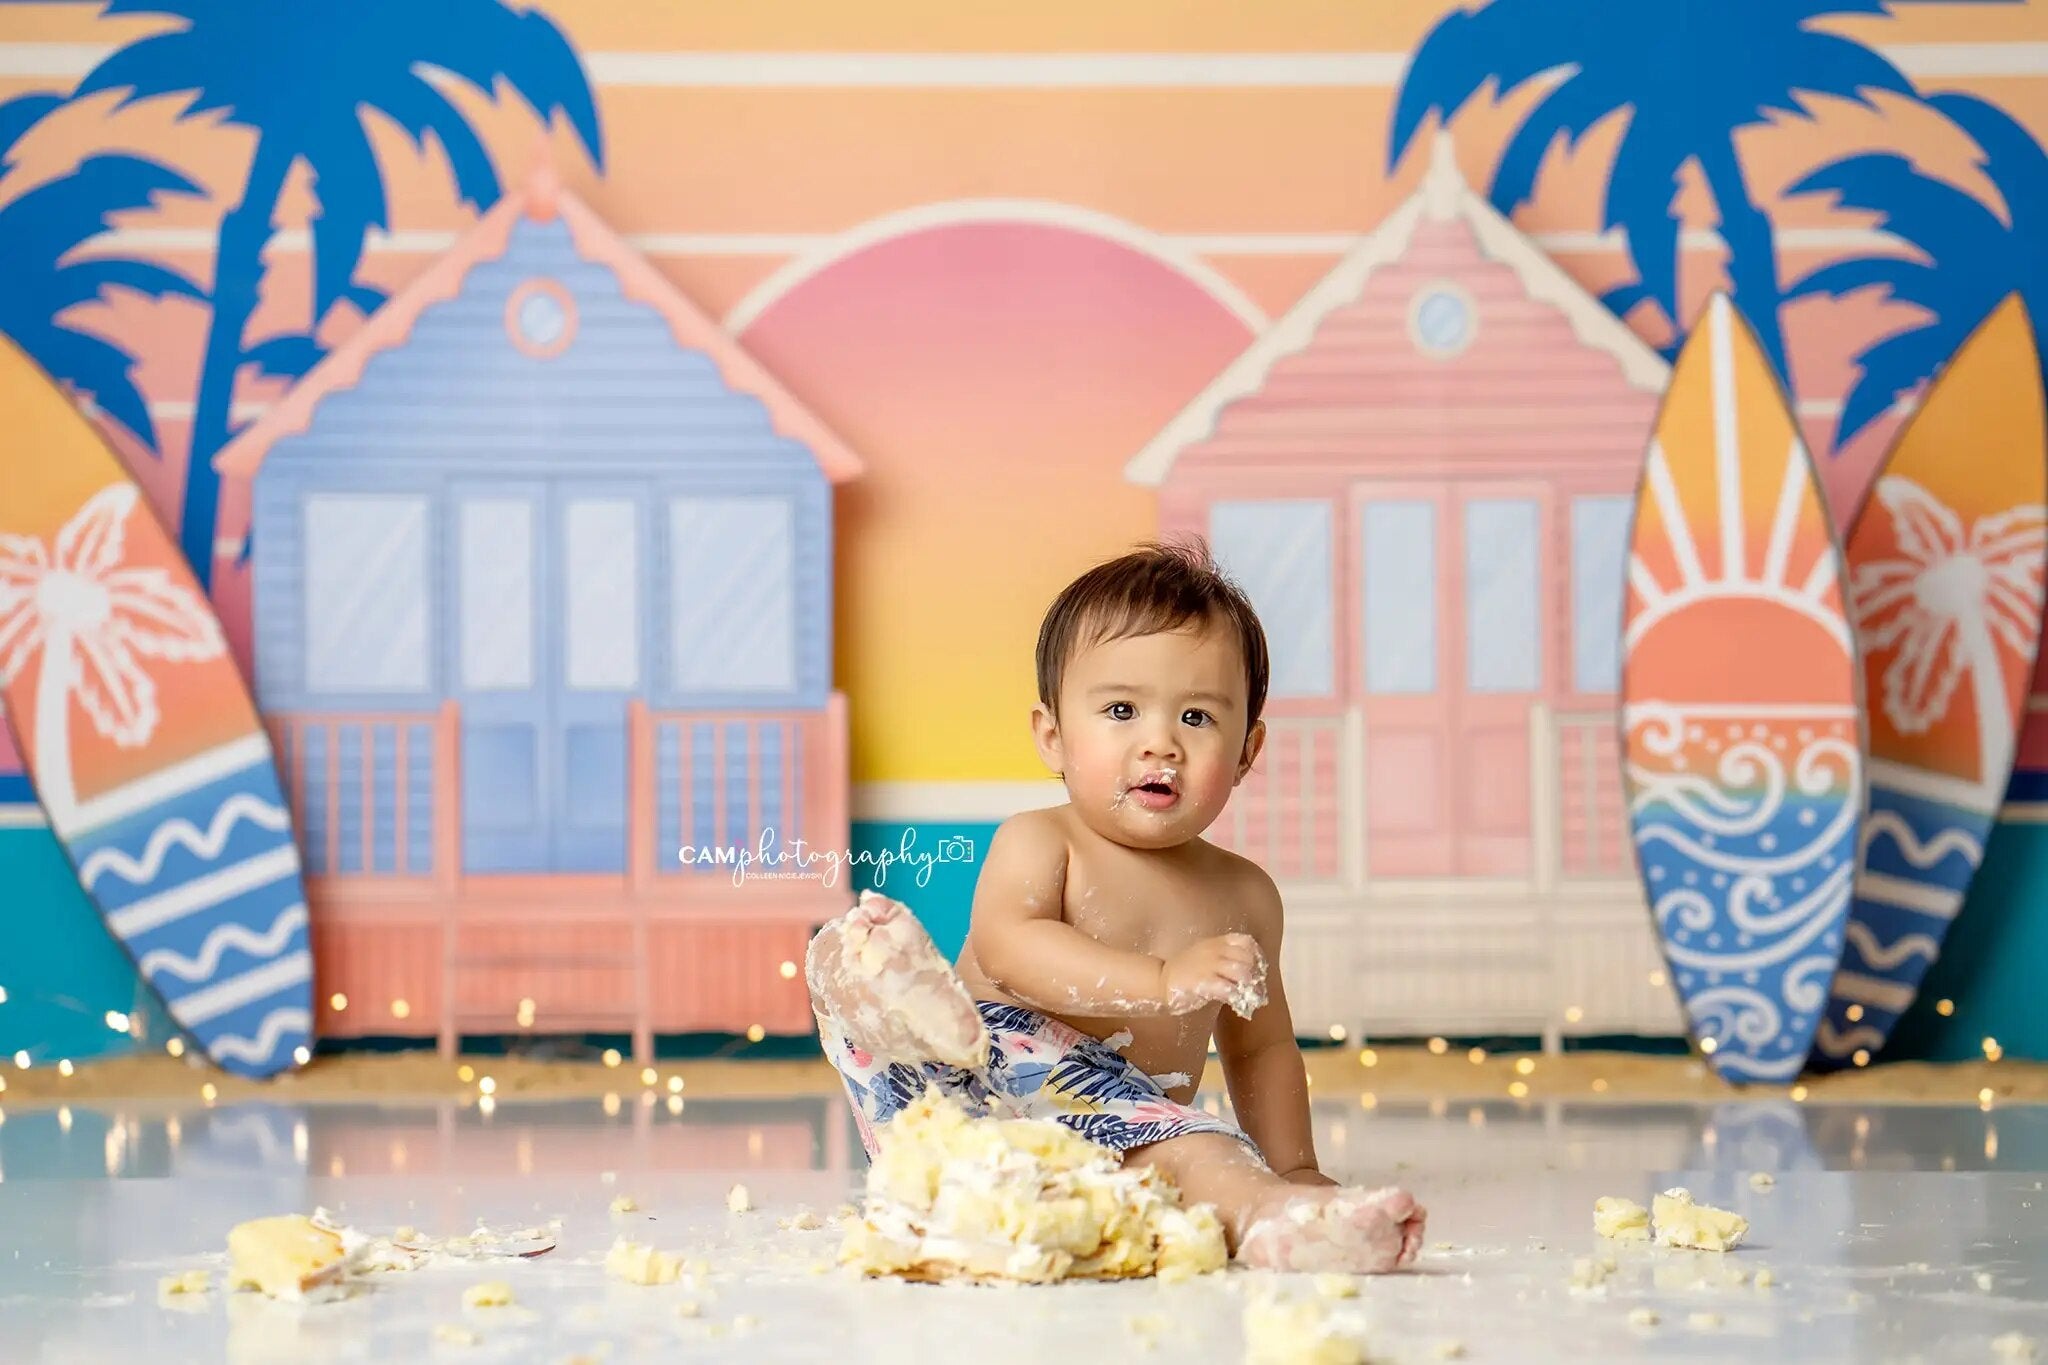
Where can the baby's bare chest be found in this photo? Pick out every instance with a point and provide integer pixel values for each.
(1150, 910)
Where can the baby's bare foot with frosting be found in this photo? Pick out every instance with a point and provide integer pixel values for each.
(1342, 1230)
(877, 975)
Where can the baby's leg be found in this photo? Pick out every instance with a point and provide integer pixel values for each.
(878, 980)
(1274, 1224)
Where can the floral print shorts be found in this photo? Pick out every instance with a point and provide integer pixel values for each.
(1045, 1069)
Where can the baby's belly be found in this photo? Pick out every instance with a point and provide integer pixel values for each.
(1171, 1049)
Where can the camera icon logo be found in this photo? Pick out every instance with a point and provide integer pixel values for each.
(956, 849)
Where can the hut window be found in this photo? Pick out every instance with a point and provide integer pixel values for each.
(1279, 553)
(732, 595)
(601, 574)
(1441, 319)
(1599, 571)
(1503, 613)
(1400, 582)
(496, 564)
(366, 593)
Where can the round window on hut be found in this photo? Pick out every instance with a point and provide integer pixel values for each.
(1441, 319)
(541, 318)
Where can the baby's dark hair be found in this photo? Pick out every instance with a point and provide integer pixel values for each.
(1160, 586)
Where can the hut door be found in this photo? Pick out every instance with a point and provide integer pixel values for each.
(1451, 659)
(498, 637)
(598, 663)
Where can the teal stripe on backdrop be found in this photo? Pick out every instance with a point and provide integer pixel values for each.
(1991, 963)
(942, 893)
(61, 969)
(62, 972)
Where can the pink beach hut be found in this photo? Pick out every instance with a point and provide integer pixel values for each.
(542, 597)
(1422, 475)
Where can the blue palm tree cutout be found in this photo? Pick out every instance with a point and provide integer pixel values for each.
(1689, 75)
(41, 231)
(301, 77)
(1969, 258)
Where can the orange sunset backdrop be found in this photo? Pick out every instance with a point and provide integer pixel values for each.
(1080, 249)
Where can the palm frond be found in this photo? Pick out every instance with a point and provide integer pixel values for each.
(420, 109)
(1568, 111)
(90, 364)
(1932, 215)
(20, 114)
(2012, 158)
(483, 41)
(1508, 42)
(1895, 367)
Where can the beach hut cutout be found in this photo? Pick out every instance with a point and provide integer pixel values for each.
(1422, 474)
(542, 598)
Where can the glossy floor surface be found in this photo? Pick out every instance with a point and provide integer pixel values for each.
(1891, 1234)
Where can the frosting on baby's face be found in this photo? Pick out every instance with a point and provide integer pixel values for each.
(1150, 735)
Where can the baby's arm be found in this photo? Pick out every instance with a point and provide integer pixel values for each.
(1025, 947)
(1261, 1062)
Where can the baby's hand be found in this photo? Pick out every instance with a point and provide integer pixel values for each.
(1211, 969)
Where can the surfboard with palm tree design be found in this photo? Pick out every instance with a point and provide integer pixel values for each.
(1946, 564)
(1741, 726)
(141, 739)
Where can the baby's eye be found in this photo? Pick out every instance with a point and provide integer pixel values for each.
(1196, 718)
(1121, 710)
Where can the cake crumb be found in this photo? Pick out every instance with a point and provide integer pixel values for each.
(1643, 1317)
(1704, 1321)
(738, 1200)
(1336, 1286)
(1448, 1350)
(803, 1220)
(625, 1203)
(637, 1263)
(689, 1308)
(1764, 1278)
(185, 1282)
(2015, 1346)
(489, 1294)
(1762, 1180)
(455, 1334)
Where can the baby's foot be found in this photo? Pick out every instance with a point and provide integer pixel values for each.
(877, 975)
(1343, 1230)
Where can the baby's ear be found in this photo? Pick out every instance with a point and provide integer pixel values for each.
(1254, 742)
(1045, 733)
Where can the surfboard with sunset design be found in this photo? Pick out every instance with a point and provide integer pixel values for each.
(1946, 561)
(141, 739)
(1741, 693)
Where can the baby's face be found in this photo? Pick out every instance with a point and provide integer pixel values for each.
(1151, 734)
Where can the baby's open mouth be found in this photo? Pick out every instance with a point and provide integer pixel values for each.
(1158, 789)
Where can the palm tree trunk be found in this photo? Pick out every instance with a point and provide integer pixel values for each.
(237, 271)
(1752, 250)
(56, 788)
(1988, 697)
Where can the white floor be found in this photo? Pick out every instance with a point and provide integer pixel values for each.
(1893, 1234)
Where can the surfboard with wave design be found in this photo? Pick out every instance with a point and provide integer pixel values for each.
(1946, 563)
(1741, 726)
(142, 740)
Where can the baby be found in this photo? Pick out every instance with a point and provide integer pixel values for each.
(1108, 936)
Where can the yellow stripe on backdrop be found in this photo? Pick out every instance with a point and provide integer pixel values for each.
(996, 379)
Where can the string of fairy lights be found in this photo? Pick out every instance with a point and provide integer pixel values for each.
(138, 1025)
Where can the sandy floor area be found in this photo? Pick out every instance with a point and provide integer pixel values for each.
(1393, 1073)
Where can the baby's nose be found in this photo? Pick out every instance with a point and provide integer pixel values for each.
(1161, 747)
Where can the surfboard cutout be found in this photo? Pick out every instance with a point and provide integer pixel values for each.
(1946, 561)
(1741, 726)
(141, 739)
